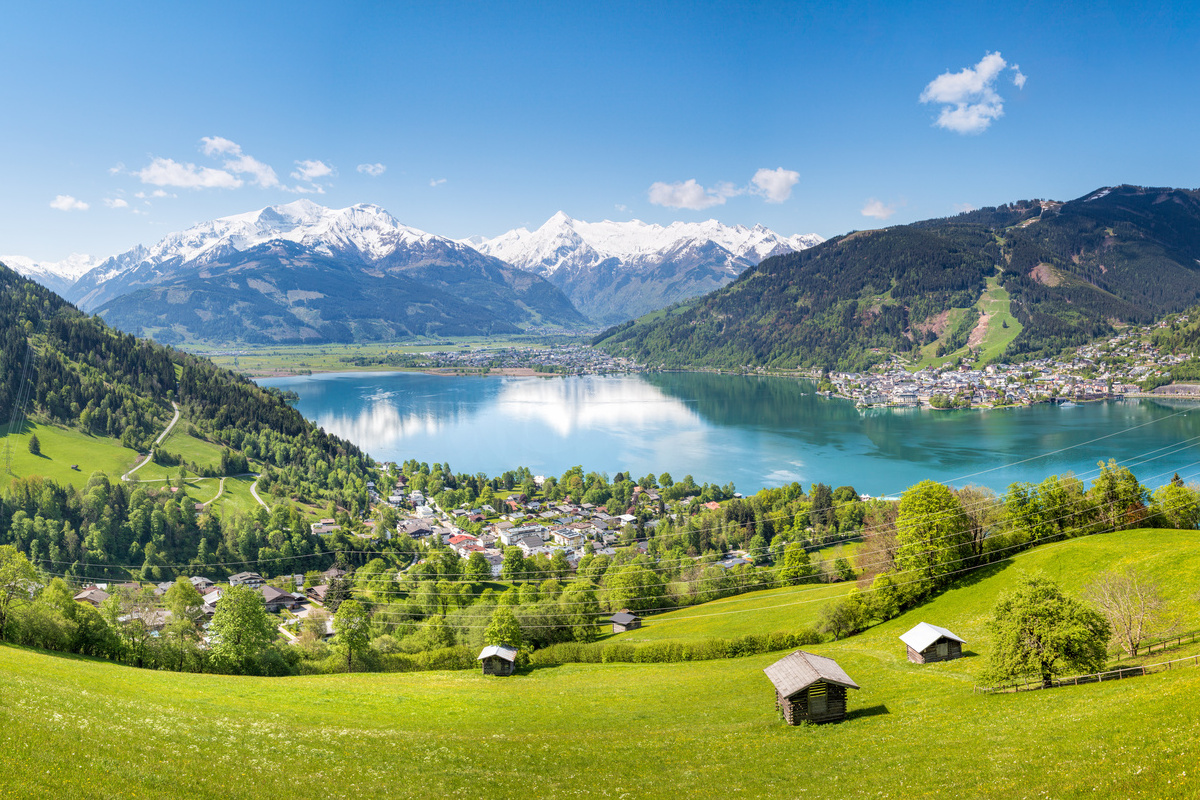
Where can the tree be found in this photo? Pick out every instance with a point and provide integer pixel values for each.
(842, 617)
(339, 590)
(18, 580)
(1175, 506)
(241, 628)
(1131, 603)
(35, 446)
(633, 587)
(1037, 630)
(478, 569)
(822, 505)
(185, 604)
(352, 624)
(514, 567)
(504, 628)
(797, 564)
(932, 533)
(1120, 499)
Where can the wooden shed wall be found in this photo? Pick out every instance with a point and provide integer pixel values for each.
(930, 654)
(796, 709)
(494, 665)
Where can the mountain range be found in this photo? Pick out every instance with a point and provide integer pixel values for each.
(302, 272)
(613, 271)
(1061, 273)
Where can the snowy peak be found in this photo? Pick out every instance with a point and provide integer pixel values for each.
(55, 275)
(563, 241)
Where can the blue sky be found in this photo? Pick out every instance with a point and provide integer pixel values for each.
(485, 117)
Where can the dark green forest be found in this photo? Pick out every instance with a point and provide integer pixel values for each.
(1072, 270)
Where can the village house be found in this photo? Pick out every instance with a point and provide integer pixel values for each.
(276, 599)
(93, 596)
(251, 579)
(325, 526)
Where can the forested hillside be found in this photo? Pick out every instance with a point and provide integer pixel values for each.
(1071, 271)
(74, 371)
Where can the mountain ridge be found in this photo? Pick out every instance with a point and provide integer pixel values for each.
(615, 271)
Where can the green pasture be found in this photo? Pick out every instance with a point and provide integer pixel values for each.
(995, 302)
(79, 728)
(62, 447)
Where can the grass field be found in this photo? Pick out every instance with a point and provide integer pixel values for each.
(190, 448)
(61, 448)
(72, 727)
(1002, 328)
(303, 358)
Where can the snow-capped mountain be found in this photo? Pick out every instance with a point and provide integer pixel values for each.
(54, 275)
(302, 272)
(362, 233)
(615, 271)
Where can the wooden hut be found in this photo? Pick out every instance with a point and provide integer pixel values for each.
(928, 643)
(498, 659)
(624, 621)
(810, 688)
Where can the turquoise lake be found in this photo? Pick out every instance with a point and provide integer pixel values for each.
(756, 432)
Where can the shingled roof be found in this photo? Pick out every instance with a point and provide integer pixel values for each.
(799, 670)
(502, 650)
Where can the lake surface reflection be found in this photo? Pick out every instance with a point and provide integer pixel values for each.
(755, 432)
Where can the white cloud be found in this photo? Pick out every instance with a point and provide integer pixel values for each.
(115, 202)
(775, 184)
(963, 208)
(689, 194)
(968, 98)
(64, 202)
(218, 146)
(117, 169)
(374, 170)
(624, 209)
(437, 181)
(311, 170)
(1019, 78)
(877, 209)
(169, 172)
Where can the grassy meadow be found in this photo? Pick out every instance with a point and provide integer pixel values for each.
(62, 447)
(74, 727)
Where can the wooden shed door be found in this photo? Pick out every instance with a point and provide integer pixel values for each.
(817, 700)
(943, 648)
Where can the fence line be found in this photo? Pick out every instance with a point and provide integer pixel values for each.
(1160, 644)
(1096, 677)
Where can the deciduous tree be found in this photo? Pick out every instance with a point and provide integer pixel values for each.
(1037, 630)
(241, 628)
(352, 624)
(1130, 601)
(932, 533)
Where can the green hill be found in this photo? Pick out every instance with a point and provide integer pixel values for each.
(1024, 279)
(95, 398)
(75, 727)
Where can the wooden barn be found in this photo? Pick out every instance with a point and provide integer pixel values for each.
(498, 659)
(928, 643)
(624, 621)
(810, 688)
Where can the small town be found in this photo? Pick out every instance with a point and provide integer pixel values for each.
(1111, 369)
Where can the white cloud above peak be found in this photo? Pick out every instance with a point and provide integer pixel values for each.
(374, 170)
(169, 172)
(65, 202)
(775, 184)
(311, 170)
(688, 194)
(877, 209)
(969, 100)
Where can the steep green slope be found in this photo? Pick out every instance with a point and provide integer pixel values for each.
(95, 396)
(703, 729)
(1070, 271)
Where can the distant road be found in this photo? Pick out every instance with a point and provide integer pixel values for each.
(254, 491)
(157, 442)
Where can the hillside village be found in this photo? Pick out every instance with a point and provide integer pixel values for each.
(1110, 369)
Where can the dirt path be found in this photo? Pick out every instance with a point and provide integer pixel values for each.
(157, 442)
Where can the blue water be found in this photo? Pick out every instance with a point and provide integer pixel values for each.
(756, 432)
